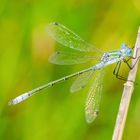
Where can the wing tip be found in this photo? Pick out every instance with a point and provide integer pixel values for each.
(50, 25)
(52, 57)
(55, 23)
(90, 118)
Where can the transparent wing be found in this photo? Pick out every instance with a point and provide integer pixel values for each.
(93, 99)
(69, 39)
(81, 81)
(69, 58)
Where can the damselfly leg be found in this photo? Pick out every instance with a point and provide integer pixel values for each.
(117, 70)
(126, 61)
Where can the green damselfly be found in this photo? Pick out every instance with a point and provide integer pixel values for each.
(81, 55)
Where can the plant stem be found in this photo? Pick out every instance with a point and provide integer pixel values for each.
(127, 93)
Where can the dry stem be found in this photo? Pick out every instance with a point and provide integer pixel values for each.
(127, 93)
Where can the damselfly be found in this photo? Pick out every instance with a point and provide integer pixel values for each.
(82, 54)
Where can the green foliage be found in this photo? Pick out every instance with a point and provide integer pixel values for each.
(55, 114)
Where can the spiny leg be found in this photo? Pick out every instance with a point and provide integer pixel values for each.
(116, 72)
(126, 61)
(117, 69)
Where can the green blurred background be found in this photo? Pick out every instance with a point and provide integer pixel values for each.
(55, 114)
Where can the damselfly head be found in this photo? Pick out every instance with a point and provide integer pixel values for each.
(126, 50)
